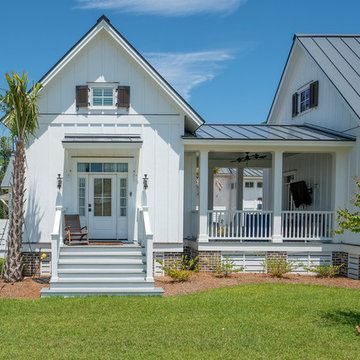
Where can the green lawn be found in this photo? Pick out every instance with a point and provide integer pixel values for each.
(266, 321)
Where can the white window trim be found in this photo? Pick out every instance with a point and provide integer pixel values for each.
(299, 91)
(102, 86)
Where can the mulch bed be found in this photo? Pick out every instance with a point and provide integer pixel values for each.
(207, 281)
(26, 289)
(30, 288)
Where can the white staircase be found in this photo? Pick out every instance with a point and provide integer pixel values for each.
(102, 270)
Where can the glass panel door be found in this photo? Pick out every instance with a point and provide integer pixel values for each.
(102, 197)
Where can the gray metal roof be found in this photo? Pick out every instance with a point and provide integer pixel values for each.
(101, 138)
(339, 57)
(266, 132)
(5, 184)
(248, 172)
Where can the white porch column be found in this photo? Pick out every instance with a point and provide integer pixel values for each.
(340, 183)
(210, 187)
(277, 177)
(203, 195)
(239, 188)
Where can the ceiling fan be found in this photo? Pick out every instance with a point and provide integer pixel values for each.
(248, 157)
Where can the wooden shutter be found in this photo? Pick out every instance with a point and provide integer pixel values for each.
(82, 96)
(123, 96)
(314, 94)
(295, 104)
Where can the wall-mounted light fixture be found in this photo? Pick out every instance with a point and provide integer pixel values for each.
(59, 181)
(145, 181)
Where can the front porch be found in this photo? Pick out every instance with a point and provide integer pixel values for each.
(302, 186)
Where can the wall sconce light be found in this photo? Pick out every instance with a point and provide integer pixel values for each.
(59, 181)
(145, 181)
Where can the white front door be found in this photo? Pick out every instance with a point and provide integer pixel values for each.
(102, 207)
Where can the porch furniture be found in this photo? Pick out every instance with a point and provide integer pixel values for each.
(74, 231)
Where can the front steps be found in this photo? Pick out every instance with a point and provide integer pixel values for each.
(101, 270)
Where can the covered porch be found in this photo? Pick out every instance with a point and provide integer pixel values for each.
(302, 184)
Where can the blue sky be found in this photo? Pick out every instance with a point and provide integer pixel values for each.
(224, 56)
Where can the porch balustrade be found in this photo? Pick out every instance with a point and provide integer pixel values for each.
(239, 225)
(245, 225)
(146, 238)
(56, 240)
(307, 225)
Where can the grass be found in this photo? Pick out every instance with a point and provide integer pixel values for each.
(257, 321)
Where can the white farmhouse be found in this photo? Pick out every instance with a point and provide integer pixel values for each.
(120, 148)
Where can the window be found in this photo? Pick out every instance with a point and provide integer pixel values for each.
(102, 97)
(102, 167)
(123, 191)
(249, 184)
(259, 184)
(81, 196)
(305, 100)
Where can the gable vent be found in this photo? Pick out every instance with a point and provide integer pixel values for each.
(123, 96)
(82, 96)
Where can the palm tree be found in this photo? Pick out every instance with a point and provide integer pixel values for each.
(21, 111)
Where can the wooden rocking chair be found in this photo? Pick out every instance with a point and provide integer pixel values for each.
(73, 229)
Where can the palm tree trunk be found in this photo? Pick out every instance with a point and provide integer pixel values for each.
(13, 264)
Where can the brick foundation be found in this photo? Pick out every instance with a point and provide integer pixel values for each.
(339, 258)
(31, 263)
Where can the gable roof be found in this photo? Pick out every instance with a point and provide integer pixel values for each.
(104, 23)
(338, 56)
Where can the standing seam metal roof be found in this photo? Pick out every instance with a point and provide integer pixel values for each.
(267, 132)
(339, 57)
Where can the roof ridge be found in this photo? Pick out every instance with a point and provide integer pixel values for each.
(326, 35)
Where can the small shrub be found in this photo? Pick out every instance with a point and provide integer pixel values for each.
(1, 265)
(224, 268)
(323, 270)
(278, 267)
(180, 270)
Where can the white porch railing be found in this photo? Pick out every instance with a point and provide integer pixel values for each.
(239, 225)
(146, 238)
(56, 241)
(307, 225)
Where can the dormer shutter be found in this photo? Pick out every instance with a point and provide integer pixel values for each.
(123, 96)
(314, 94)
(295, 104)
(82, 96)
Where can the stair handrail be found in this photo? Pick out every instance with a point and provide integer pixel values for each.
(147, 242)
(56, 239)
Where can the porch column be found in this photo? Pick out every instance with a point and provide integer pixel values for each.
(239, 188)
(277, 177)
(340, 183)
(210, 187)
(203, 195)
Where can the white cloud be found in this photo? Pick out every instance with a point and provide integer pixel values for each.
(184, 71)
(164, 7)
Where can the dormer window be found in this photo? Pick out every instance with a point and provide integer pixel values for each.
(305, 98)
(103, 97)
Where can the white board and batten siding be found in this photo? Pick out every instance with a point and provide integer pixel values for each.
(160, 156)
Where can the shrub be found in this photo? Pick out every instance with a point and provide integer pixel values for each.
(180, 270)
(323, 270)
(278, 267)
(1, 265)
(224, 268)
